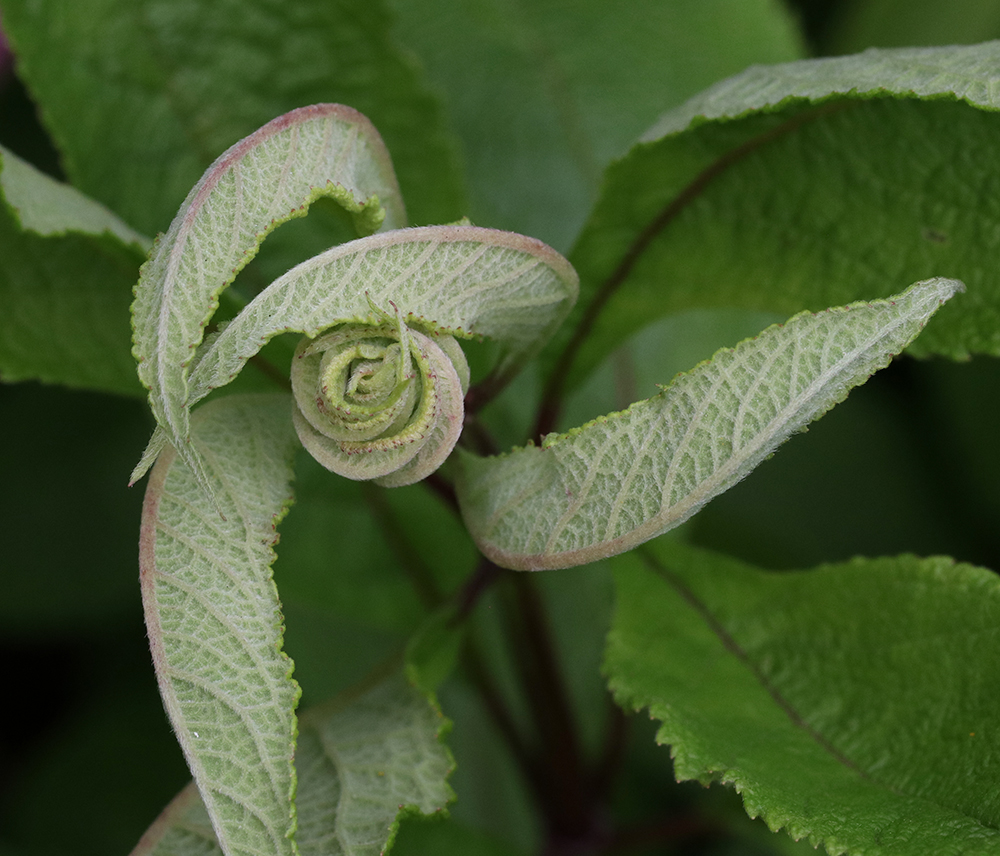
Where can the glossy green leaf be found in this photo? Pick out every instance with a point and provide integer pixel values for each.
(622, 479)
(214, 620)
(807, 184)
(66, 273)
(852, 705)
(141, 95)
(363, 762)
(544, 95)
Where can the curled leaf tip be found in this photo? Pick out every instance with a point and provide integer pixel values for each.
(380, 401)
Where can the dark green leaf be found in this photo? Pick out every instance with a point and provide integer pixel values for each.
(902, 23)
(806, 185)
(66, 275)
(852, 704)
(140, 97)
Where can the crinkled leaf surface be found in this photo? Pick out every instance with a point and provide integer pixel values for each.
(265, 179)
(363, 763)
(214, 620)
(543, 95)
(853, 704)
(66, 274)
(605, 487)
(807, 184)
(453, 279)
(462, 280)
(141, 95)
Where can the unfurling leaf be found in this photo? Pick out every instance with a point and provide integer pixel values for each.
(379, 402)
(618, 481)
(262, 181)
(441, 282)
(363, 761)
(214, 620)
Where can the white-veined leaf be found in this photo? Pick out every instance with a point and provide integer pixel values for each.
(262, 181)
(214, 620)
(607, 486)
(362, 763)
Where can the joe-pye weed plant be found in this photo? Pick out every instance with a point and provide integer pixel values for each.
(453, 407)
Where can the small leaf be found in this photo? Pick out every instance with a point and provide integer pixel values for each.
(605, 487)
(363, 762)
(852, 705)
(49, 207)
(264, 180)
(379, 402)
(810, 184)
(66, 272)
(214, 620)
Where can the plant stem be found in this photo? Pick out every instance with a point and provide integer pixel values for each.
(566, 793)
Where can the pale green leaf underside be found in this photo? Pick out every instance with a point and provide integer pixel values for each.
(459, 280)
(214, 620)
(605, 487)
(262, 181)
(360, 764)
(852, 705)
(968, 74)
(807, 184)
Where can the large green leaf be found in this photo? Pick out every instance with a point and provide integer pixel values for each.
(853, 704)
(622, 479)
(807, 184)
(140, 97)
(363, 762)
(66, 273)
(214, 620)
(543, 95)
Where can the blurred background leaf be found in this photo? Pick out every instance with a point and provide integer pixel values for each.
(543, 95)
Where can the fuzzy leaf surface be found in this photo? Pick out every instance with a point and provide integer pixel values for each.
(363, 762)
(459, 280)
(811, 184)
(265, 179)
(851, 704)
(214, 620)
(140, 96)
(617, 481)
(66, 273)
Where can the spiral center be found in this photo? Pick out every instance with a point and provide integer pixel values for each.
(379, 401)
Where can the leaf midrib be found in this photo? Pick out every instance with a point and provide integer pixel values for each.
(737, 650)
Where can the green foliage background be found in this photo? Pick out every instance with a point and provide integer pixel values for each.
(86, 756)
